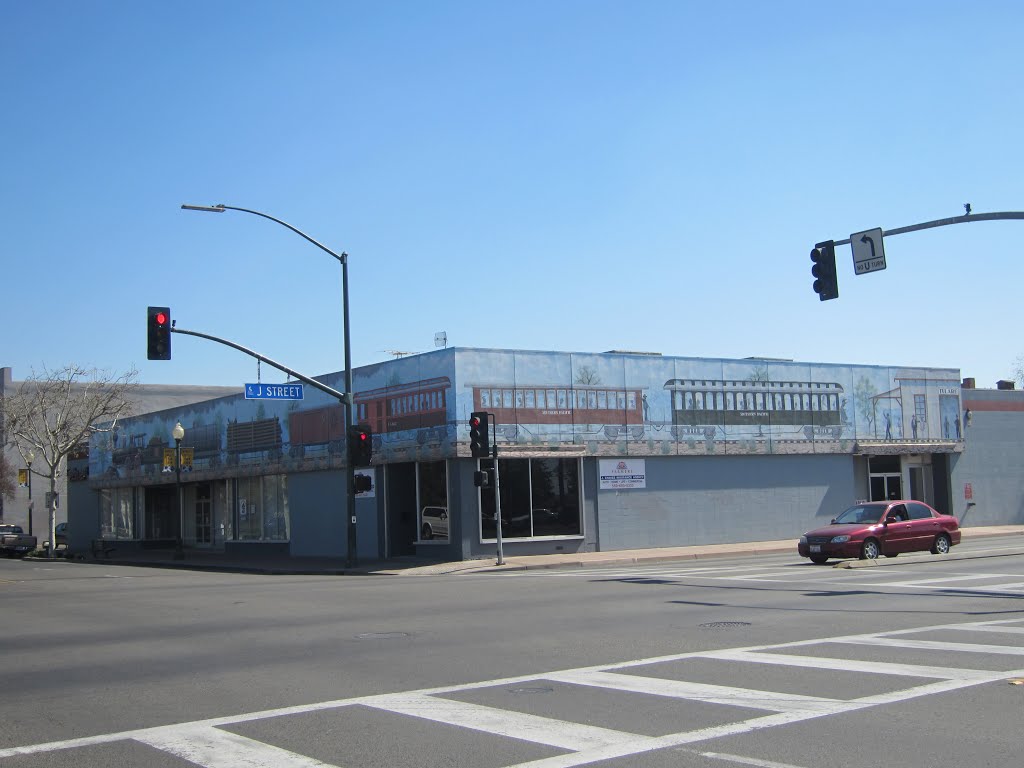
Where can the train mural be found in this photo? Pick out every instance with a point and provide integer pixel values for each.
(417, 408)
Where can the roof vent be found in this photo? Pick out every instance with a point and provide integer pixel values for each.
(968, 384)
(1004, 384)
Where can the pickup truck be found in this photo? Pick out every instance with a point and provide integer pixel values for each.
(14, 542)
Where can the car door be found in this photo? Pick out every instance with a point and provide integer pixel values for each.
(897, 535)
(924, 527)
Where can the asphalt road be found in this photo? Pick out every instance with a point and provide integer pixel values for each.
(766, 661)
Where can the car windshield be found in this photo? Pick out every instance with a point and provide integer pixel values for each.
(869, 513)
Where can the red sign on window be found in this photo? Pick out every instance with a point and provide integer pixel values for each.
(968, 492)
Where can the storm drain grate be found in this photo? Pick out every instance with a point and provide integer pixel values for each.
(724, 624)
(381, 635)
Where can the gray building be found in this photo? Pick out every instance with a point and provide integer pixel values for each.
(595, 452)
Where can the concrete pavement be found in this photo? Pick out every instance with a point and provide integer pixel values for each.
(279, 564)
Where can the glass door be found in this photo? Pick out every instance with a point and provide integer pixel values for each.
(204, 515)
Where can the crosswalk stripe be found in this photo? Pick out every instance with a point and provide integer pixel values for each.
(501, 722)
(712, 694)
(850, 665)
(215, 748)
(932, 645)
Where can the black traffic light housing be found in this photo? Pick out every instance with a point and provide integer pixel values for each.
(482, 478)
(479, 435)
(823, 259)
(362, 483)
(360, 445)
(158, 333)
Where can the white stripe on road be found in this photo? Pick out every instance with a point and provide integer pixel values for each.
(215, 748)
(711, 694)
(932, 645)
(851, 665)
(501, 722)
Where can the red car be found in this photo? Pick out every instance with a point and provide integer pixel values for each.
(877, 528)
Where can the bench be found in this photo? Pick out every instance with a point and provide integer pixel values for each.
(101, 547)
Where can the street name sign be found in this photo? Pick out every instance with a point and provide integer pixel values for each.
(868, 251)
(273, 391)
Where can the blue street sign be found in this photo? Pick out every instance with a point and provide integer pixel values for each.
(273, 391)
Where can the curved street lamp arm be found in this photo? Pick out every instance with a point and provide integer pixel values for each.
(220, 207)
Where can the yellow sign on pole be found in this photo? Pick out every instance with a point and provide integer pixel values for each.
(168, 460)
(186, 459)
(23, 478)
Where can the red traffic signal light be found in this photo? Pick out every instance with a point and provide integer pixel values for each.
(360, 446)
(158, 333)
(479, 437)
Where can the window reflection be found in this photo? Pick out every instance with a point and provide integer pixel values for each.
(539, 497)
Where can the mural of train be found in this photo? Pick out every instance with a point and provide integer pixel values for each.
(715, 403)
(590, 409)
(418, 405)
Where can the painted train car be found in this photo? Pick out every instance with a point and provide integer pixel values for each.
(322, 428)
(418, 405)
(721, 403)
(609, 411)
(257, 439)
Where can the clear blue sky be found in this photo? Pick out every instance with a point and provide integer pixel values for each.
(570, 175)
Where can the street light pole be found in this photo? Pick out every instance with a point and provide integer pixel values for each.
(350, 505)
(28, 460)
(178, 433)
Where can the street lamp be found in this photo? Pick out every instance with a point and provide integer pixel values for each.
(178, 433)
(28, 460)
(350, 506)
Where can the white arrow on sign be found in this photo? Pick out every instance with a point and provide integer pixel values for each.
(868, 251)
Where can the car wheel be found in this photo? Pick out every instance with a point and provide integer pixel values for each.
(870, 550)
(819, 559)
(427, 534)
(941, 545)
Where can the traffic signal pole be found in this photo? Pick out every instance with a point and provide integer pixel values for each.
(350, 506)
(497, 499)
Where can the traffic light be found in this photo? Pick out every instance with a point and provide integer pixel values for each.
(823, 258)
(158, 333)
(360, 445)
(479, 440)
(482, 478)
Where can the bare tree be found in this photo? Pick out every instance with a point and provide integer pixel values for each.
(1018, 371)
(54, 412)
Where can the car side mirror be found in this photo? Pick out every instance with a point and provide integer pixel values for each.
(833, 521)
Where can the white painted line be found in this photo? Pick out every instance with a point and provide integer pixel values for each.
(741, 759)
(214, 748)
(1007, 630)
(852, 665)
(948, 579)
(501, 722)
(932, 645)
(712, 694)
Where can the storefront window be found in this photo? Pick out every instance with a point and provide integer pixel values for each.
(432, 483)
(261, 508)
(117, 518)
(539, 497)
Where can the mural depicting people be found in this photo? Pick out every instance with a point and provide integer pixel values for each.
(913, 426)
(888, 426)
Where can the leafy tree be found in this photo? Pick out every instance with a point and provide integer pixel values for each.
(54, 412)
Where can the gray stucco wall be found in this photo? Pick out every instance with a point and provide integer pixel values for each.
(992, 460)
(319, 528)
(722, 499)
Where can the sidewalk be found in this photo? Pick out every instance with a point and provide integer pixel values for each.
(409, 566)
